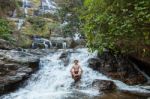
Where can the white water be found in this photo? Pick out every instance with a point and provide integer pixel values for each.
(53, 80)
(25, 3)
(64, 44)
(20, 23)
(14, 14)
(50, 4)
(51, 45)
(77, 36)
(46, 46)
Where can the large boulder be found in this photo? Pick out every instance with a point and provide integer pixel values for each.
(15, 67)
(117, 67)
(104, 85)
(65, 58)
(142, 62)
(5, 44)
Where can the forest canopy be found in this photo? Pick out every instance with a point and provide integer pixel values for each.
(120, 25)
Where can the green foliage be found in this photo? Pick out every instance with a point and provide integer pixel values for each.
(117, 24)
(38, 24)
(5, 29)
(68, 12)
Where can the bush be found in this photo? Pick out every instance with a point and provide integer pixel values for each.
(120, 25)
(5, 29)
(38, 24)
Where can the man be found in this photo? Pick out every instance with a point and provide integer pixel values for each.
(76, 71)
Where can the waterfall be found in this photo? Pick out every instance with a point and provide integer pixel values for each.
(50, 4)
(14, 13)
(64, 45)
(51, 45)
(77, 36)
(45, 44)
(20, 23)
(53, 80)
(25, 4)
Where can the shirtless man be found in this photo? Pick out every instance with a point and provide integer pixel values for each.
(76, 71)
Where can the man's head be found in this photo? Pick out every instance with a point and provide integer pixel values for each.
(76, 61)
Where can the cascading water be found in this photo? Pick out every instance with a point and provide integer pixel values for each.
(53, 80)
(51, 45)
(46, 46)
(25, 4)
(50, 4)
(14, 14)
(76, 36)
(20, 23)
(64, 44)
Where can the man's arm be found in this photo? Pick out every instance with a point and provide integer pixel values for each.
(80, 71)
(72, 71)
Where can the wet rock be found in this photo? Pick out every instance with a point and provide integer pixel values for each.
(15, 67)
(40, 52)
(19, 56)
(117, 67)
(142, 62)
(5, 44)
(104, 85)
(94, 63)
(65, 58)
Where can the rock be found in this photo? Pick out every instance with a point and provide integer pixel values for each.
(5, 44)
(104, 85)
(64, 55)
(20, 57)
(65, 58)
(15, 67)
(94, 63)
(117, 67)
(40, 52)
(142, 62)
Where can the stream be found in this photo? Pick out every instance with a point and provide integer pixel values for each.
(53, 80)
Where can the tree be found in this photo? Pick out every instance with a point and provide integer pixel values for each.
(120, 25)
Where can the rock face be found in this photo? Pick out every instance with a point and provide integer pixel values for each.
(5, 44)
(15, 67)
(104, 85)
(142, 62)
(117, 67)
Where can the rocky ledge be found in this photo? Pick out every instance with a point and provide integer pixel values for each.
(16, 66)
(5, 44)
(117, 67)
(104, 85)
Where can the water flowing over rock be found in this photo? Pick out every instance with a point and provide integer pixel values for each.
(104, 85)
(15, 66)
(41, 43)
(117, 67)
(53, 80)
(48, 6)
(65, 57)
